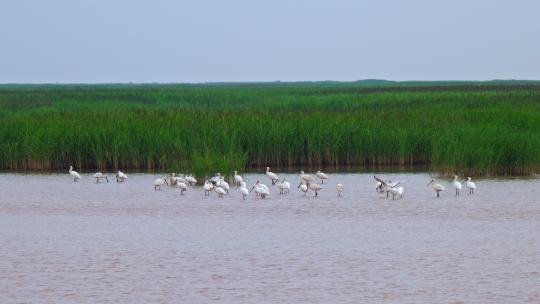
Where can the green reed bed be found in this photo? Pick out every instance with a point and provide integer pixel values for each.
(468, 128)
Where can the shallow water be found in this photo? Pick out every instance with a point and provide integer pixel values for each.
(65, 242)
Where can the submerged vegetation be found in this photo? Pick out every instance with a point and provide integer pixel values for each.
(474, 128)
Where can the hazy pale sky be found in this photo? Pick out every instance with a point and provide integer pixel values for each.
(249, 40)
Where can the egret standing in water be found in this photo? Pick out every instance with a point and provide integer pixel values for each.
(393, 188)
(260, 189)
(98, 176)
(305, 178)
(280, 186)
(190, 180)
(238, 179)
(182, 186)
(303, 187)
(76, 176)
(379, 187)
(243, 190)
(457, 185)
(220, 191)
(160, 182)
(314, 187)
(272, 176)
(322, 176)
(470, 185)
(436, 186)
(208, 187)
(396, 190)
(223, 184)
(340, 188)
(121, 176)
(286, 185)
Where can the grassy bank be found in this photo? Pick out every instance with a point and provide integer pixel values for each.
(474, 128)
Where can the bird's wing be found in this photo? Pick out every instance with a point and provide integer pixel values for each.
(379, 180)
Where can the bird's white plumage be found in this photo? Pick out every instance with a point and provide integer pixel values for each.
(243, 190)
(315, 188)
(273, 177)
(159, 182)
(220, 191)
(470, 185)
(121, 176)
(76, 176)
(190, 180)
(304, 188)
(306, 177)
(237, 178)
(340, 188)
(223, 184)
(322, 176)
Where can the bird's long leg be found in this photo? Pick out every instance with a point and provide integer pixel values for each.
(437, 193)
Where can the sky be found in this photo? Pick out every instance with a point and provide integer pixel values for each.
(104, 41)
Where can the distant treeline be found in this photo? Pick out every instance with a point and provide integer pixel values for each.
(466, 127)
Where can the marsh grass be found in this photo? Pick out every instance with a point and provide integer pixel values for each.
(467, 128)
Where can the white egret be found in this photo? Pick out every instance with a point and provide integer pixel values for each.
(121, 176)
(281, 186)
(340, 188)
(215, 178)
(315, 188)
(260, 189)
(436, 186)
(387, 186)
(208, 187)
(262, 186)
(160, 182)
(457, 185)
(271, 175)
(306, 177)
(379, 187)
(286, 185)
(98, 176)
(182, 186)
(172, 179)
(243, 190)
(397, 190)
(303, 187)
(322, 176)
(223, 184)
(220, 191)
(238, 179)
(76, 176)
(190, 180)
(470, 185)
(178, 179)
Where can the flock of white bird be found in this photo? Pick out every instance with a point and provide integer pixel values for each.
(308, 183)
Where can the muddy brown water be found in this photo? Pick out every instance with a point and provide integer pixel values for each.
(65, 242)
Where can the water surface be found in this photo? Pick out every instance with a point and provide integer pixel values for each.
(65, 242)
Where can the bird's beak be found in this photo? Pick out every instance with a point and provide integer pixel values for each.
(429, 183)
